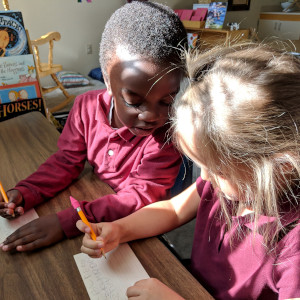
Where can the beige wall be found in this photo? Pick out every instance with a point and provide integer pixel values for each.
(249, 18)
(81, 24)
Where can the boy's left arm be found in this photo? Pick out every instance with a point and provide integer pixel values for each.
(148, 183)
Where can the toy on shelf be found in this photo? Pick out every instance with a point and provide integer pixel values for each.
(290, 6)
(233, 26)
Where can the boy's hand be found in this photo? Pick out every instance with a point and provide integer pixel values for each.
(151, 288)
(12, 208)
(38, 233)
(108, 238)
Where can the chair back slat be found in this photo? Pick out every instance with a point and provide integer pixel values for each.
(5, 4)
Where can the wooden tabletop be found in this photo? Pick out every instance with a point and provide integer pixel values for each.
(51, 273)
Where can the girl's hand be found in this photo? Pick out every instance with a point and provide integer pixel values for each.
(12, 208)
(38, 233)
(108, 238)
(151, 288)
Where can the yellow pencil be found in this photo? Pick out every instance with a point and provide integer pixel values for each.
(3, 193)
(86, 222)
(76, 205)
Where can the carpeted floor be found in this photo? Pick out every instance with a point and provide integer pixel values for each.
(181, 239)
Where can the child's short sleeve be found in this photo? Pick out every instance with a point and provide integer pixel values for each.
(204, 188)
(287, 266)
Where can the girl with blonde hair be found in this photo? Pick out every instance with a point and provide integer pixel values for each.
(238, 119)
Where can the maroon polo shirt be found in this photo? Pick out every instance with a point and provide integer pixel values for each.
(141, 170)
(243, 271)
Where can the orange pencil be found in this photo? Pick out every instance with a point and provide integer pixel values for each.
(76, 205)
(3, 193)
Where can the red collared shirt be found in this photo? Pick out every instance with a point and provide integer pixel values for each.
(243, 271)
(141, 170)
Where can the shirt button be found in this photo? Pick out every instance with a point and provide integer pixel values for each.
(110, 152)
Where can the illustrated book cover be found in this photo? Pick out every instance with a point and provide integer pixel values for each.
(216, 15)
(19, 91)
(192, 39)
(17, 69)
(13, 38)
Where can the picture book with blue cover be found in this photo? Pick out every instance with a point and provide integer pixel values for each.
(13, 38)
(216, 15)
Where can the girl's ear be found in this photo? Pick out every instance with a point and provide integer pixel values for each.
(285, 165)
(107, 83)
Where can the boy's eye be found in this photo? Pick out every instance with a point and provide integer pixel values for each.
(166, 103)
(128, 104)
(173, 95)
(168, 100)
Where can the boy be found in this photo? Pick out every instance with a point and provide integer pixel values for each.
(120, 131)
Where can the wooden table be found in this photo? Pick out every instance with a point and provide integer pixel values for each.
(51, 273)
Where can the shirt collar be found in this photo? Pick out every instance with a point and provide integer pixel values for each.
(105, 104)
(289, 217)
(110, 114)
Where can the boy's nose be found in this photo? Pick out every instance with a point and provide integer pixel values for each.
(149, 116)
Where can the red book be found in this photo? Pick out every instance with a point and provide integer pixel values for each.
(199, 14)
(186, 14)
(178, 12)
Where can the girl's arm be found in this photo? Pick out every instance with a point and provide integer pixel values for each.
(160, 217)
(151, 220)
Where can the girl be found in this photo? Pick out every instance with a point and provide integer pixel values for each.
(238, 120)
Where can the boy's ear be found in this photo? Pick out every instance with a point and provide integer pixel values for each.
(107, 83)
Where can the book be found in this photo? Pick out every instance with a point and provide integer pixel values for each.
(19, 91)
(186, 14)
(199, 14)
(216, 15)
(178, 12)
(17, 69)
(17, 108)
(109, 278)
(200, 5)
(13, 38)
(19, 88)
(192, 39)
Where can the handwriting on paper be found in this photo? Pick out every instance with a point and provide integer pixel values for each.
(109, 278)
(7, 227)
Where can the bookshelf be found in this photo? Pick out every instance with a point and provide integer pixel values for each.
(20, 90)
(208, 38)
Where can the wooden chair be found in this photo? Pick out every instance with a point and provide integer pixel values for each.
(48, 68)
(5, 4)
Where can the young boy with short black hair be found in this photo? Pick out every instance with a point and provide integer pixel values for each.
(121, 131)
